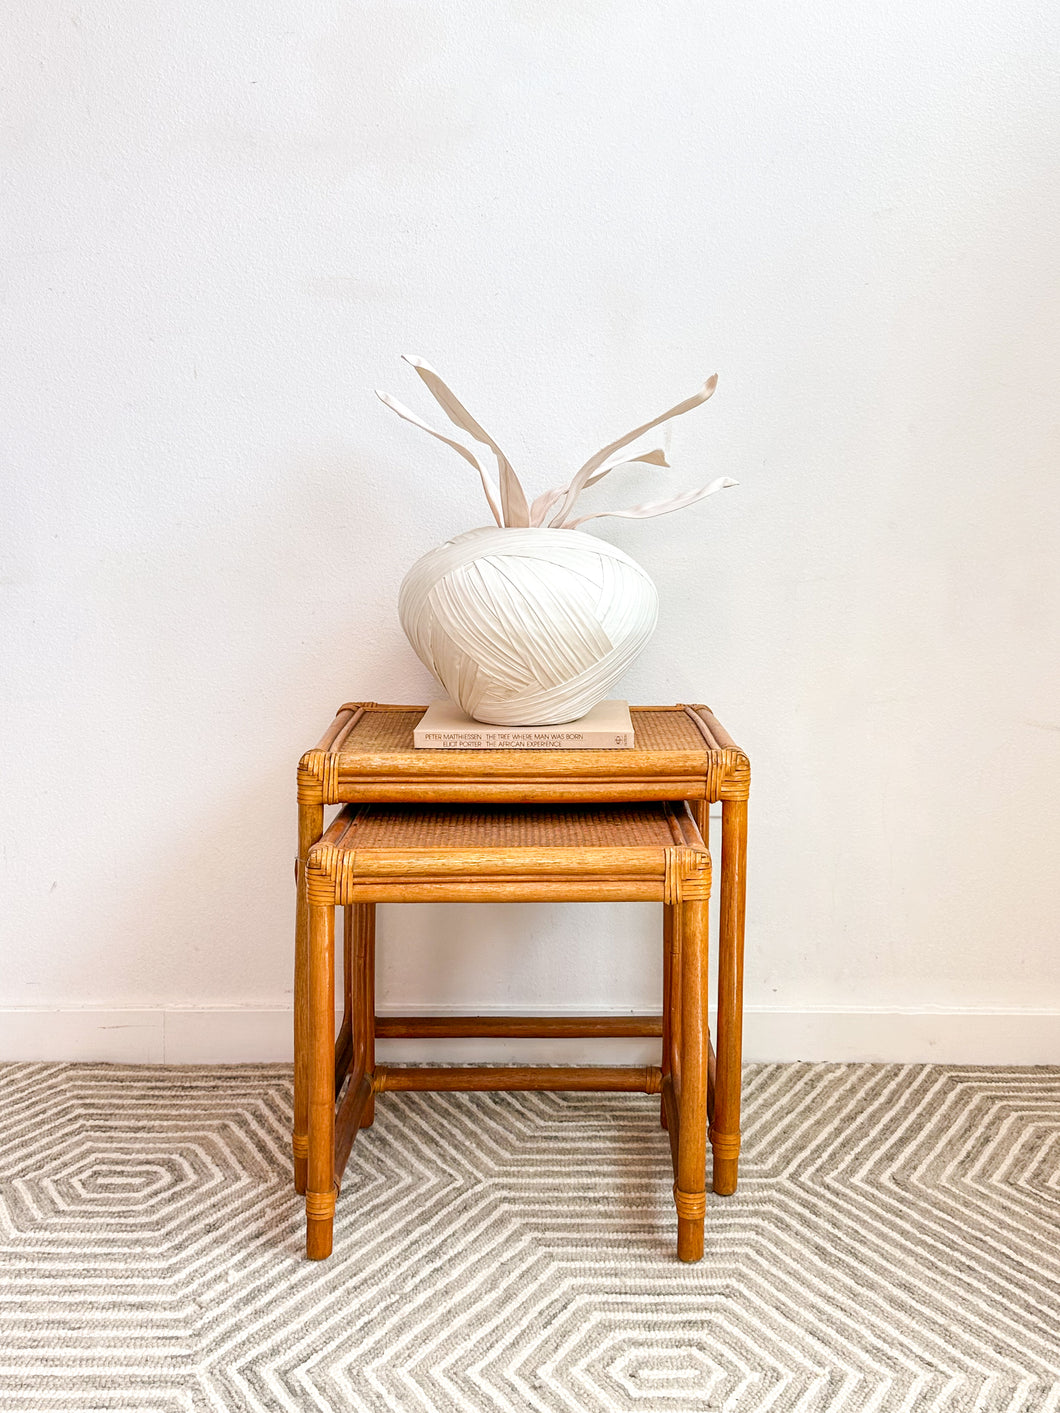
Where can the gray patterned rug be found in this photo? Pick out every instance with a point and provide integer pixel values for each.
(894, 1246)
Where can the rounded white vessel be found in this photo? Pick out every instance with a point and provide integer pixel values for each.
(527, 626)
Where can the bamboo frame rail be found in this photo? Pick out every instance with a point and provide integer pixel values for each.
(518, 1027)
(682, 754)
(629, 1079)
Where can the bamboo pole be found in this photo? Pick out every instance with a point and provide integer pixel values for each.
(349, 1120)
(366, 914)
(667, 990)
(320, 1182)
(725, 1129)
(518, 1027)
(630, 1079)
(310, 828)
(690, 1187)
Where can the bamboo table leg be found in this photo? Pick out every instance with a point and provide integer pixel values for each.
(367, 922)
(690, 1187)
(725, 1128)
(667, 1001)
(310, 828)
(701, 814)
(320, 1185)
(357, 1035)
(351, 1012)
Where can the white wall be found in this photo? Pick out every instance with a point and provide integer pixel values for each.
(223, 222)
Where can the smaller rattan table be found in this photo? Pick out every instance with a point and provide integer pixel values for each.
(502, 853)
(682, 753)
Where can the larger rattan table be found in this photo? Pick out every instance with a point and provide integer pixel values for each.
(682, 753)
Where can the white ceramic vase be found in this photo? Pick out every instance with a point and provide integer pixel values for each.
(527, 626)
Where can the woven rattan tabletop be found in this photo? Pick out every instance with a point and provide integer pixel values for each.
(388, 731)
(660, 825)
(680, 752)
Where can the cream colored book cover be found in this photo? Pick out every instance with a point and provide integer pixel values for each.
(444, 727)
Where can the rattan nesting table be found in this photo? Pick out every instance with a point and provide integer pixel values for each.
(683, 761)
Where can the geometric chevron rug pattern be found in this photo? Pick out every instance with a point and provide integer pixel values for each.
(894, 1247)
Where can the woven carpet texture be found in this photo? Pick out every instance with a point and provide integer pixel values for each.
(894, 1247)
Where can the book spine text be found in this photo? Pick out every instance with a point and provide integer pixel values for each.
(503, 740)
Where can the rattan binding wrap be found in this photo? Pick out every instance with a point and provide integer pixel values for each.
(320, 1204)
(691, 1206)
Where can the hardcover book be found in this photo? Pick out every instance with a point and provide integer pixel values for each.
(444, 727)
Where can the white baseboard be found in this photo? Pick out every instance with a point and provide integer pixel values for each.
(235, 1035)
